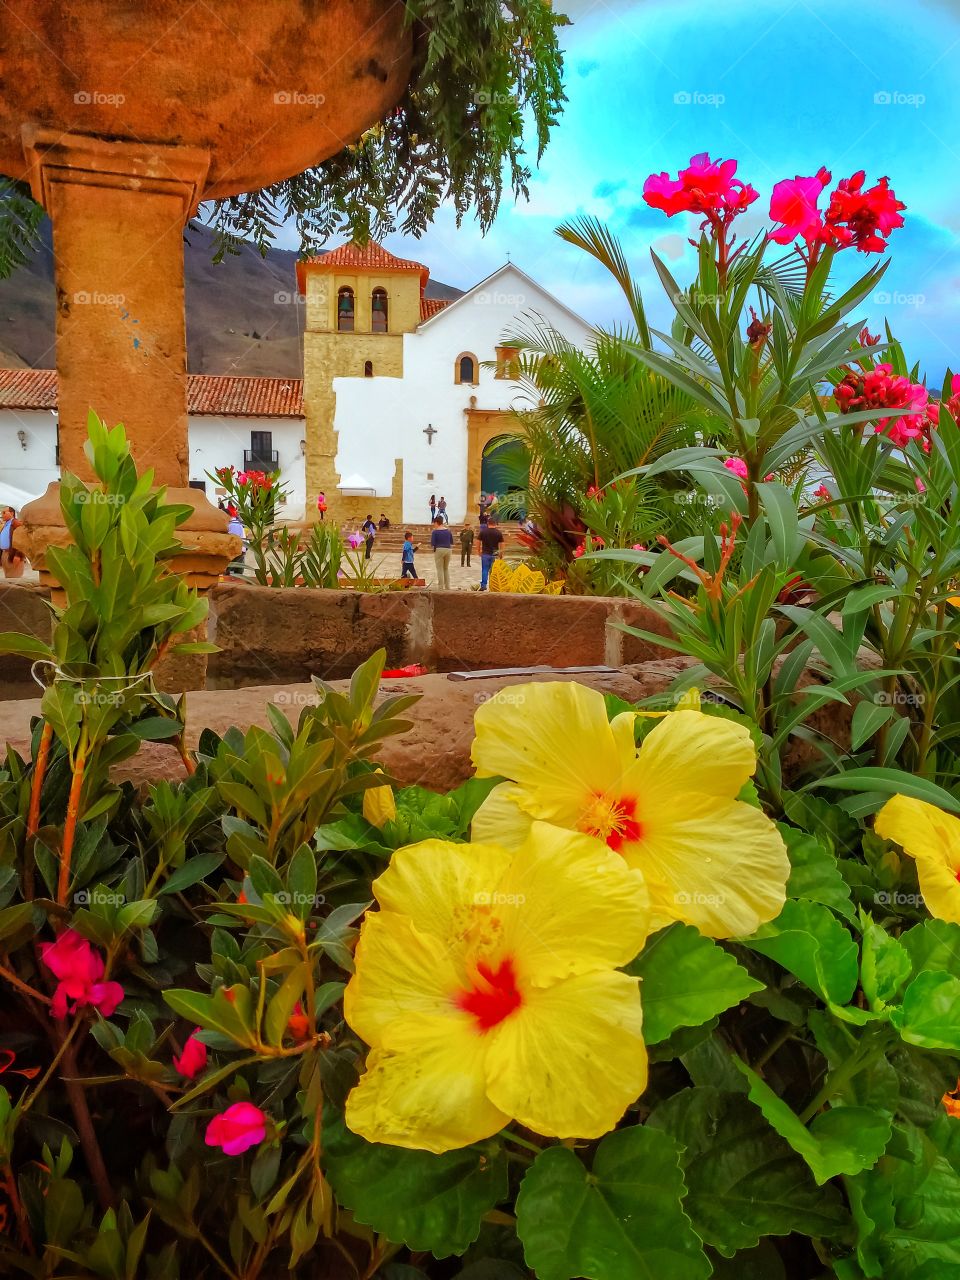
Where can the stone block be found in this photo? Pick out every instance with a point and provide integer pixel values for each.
(268, 634)
(23, 608)
(623, 648)
(493, 629)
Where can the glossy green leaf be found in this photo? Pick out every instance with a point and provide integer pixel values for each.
(839, 1140)
(743, 1180)
(810, 942)
(623, 1220)
(429, 1202)
(686, 980)
(930, 1013)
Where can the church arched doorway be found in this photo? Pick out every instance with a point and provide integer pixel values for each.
(504, 467)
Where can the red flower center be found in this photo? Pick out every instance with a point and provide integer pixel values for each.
(493, 996)
(615, 821)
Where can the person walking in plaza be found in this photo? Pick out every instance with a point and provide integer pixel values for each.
(490, 539)
(407, 569)
(441, 539)
(11, 559)
(369, 531)
(433, 507)
(466, 544)
(322, 504)
(442, 510)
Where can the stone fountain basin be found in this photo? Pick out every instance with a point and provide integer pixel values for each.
(269, 88)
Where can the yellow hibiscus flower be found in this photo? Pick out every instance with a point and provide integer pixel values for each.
(487, 987)
(932, 838)
(669, 809)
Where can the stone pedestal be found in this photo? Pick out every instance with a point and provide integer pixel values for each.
(118, 212)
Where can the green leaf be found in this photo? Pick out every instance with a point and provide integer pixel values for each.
(686, 980)
(935, 945)
(232, 1016)
(13, 919)
(282, 1002)
(868, 718)
(424, 1201)
(890, 782)
(884, 965)
(810, 942)
(781, 512)
(930, 1013)
(743, 1180)
(192, 871)
(156, 728)
(622, 1221)
(815, 872)
(839, 1140)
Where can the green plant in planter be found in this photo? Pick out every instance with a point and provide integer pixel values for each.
(228, 1063)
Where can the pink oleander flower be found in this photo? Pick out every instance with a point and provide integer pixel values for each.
(823, 493)
(79, 970)
(861, 218)
(794, 204)
(638, 546)
(194, 1057)
(237, 1129)
(919, 485)
(866, 338)
(706, 187)
(737, 466)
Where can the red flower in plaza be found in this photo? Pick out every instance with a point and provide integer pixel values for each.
(706, 187)
(861, 218)
(794, 204)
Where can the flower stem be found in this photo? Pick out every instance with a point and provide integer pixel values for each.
(70, 825)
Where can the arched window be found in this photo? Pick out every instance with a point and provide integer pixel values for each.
(368, 368)
(378, 311)
(345, 310)
(465, 370)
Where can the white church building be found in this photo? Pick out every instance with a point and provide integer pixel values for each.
(403, 396)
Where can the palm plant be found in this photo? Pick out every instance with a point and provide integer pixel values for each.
(595, 415)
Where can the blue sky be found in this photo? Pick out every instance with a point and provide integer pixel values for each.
(783, 88)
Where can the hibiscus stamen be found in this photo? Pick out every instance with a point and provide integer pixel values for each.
(614, 821)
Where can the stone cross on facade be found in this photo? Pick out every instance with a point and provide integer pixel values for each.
(429, 431)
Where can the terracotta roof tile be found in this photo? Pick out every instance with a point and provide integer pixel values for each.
(430, 306)
(206, 394)
(371, 255)
(28, 388)
(245, 397)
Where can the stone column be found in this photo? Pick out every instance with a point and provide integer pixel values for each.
(118, 211)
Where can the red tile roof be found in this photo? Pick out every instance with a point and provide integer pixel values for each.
(368, 257)
(226, 395)
(430, 306)
(245, 397)
(28, 388)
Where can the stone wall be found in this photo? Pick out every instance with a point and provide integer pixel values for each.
(269, 636)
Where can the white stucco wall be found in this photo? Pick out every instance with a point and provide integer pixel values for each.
(380, 419)
(219, 442)
(214, 442)
(29, 469)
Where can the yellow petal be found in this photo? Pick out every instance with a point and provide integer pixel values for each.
(570, 1061)
(379, 805)
(932, 837)
(689, 700)
(431, 1096)
(689, 751)
(718, 864)
(439, 885)
(555, 740)
(501, 819)
(570, 906)
(399, 972)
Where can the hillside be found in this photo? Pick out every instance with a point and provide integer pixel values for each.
(243, 314)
